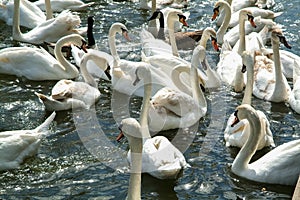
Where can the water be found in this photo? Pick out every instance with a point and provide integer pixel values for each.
(82, 160)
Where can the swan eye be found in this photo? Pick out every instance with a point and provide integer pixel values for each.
(244, 69)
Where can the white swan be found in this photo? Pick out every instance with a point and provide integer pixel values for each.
(294, 99)
(38, 64)
(263, 13)
(123, 71)
(68, 94)
(30, 15)
(17, 145)
(270, 83)
(49, 31)
(236, 134)
(279, 166)
(61, 5)
(159, 157)
(230, 64)
(223, 7)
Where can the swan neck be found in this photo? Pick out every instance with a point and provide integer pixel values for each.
(161, 32)
(249, 86)
(242, 44)
(175, 76)
(145, 106)
(170, 24)
(153, 6)
(243, 158)
(277, 64)
(225, 23)
(88, 78)
(112, 44)
(196, 90)
(49, 13)
(16, 20)
(69, 68)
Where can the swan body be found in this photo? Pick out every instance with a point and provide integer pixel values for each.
(236, 134)
(294, 99)
(68, 94)
(61, 5)
(279, 166)
(49, 31)
(263, 13)
(17, 145)
(270, 83)
(30, 15)
(38, 64)
(159, 157)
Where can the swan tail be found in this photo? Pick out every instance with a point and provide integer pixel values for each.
(43, 128)
(277, 14)
(66, 17)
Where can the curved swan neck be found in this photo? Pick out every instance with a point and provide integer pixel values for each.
(88, 78)
(277, 64)
(248, 150)
(69, 68)
(227, 16)
(170, 24)
(49, 13)
(112, 43)
(175, 76)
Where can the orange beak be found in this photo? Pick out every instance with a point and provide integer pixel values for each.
(120, 136)
(183, 22)
(125, 35)
(215, 44)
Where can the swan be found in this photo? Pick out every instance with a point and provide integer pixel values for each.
(132, 131)
(294, 99)
(49, 31)
(61, 5)
(279, 166)
(159, 157)
(37, 64)
(263, 13)
(270, 83)
(238, 133)
(224, 7)
(16, 145)
(230, 64)
(184, 40)
(68, 94)
(153, 46)
(30, 15)
(123, 71)
(171, 108)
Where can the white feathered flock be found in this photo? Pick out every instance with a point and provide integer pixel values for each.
(173, 89)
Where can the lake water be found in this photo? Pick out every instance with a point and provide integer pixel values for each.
(82, 160)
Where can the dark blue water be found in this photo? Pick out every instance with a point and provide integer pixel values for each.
(82, 160)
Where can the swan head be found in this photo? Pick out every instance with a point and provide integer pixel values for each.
(119, 28)
(246, 14)
(177, 15)
(75, 39)
(248, 60)
(218, 7)
(99, 60)
(245, 111)
(278, 37)
(142, 73)
(156, 15)
(209, 33)
(131, 129)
